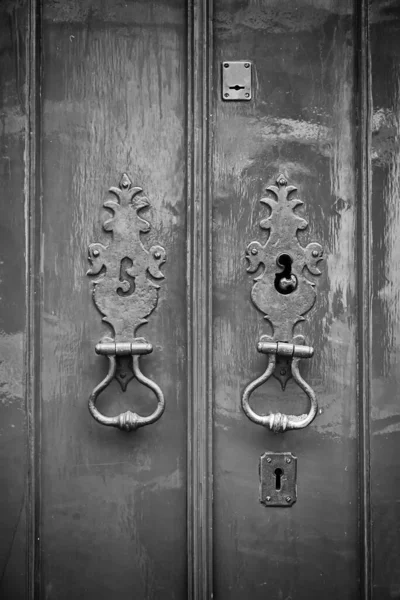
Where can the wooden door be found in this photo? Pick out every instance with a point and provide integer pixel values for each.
(91, 90)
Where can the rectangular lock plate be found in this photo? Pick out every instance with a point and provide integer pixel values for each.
(236, 80)
(278, 473)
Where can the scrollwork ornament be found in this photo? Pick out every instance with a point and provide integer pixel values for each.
(284, 293)
(125, 292)
(283, 310)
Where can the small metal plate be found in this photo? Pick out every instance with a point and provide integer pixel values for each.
(278, 473)
(236, 80)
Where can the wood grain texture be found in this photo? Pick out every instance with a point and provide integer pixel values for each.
(33, 286)
(364, 254)
(301, 122)
(199, 295)
(89, 90)
(14, 449)
(113, 504)
(385, 349)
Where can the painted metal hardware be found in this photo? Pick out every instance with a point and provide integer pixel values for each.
(125, 295)
(236, 80)
(278, 476)
(284, 294)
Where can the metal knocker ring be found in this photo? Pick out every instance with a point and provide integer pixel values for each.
(125, 293)
(279, 422)
(284, 292)
(127, 421)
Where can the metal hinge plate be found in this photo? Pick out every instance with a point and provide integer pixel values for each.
(278, 473)
(236, 80)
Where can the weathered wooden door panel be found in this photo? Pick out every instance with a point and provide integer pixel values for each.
(301, 122)
(90, 90)
(14, 449)
(113, 101)
(385, 345)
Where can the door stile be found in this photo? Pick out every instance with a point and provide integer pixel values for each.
(364, 295)
(33, 200)
(199, 281)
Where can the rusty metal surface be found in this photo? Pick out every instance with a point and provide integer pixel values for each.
(284, 294)
(278, 422)
(125, 295)
(278, 479)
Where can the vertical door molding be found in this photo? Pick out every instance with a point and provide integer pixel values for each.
(199, 301)
(364, 258)
(33, 291)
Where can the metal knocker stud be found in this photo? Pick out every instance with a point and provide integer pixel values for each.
(125, 294)
(284, 294)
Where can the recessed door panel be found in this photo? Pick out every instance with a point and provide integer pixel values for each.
(113, 103)
(384, 357)
(301, 123)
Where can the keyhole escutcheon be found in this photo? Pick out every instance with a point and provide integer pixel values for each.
(278, 479)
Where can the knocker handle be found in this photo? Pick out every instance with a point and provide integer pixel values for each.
(278, 422)
(127, 421)
(284, 293)
(125, 293)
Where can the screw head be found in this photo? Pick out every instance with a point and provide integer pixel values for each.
(288, 499)
(315, 253)
(268, 498)
(247, 95)
(269, 459)
(247, 65)
(96, 253)
(288, 460)
(226, 95)
(157, 254)
(254, 251)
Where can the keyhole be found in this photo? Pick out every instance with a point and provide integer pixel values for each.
(124, 277)
(285, 282)
(278, 477)
(236, 87)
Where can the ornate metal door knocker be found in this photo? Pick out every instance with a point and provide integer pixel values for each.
(284, 294)
(125, 295)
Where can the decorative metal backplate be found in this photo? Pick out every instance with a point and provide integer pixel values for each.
(283, 292)
(125, 293)
(278, 475)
